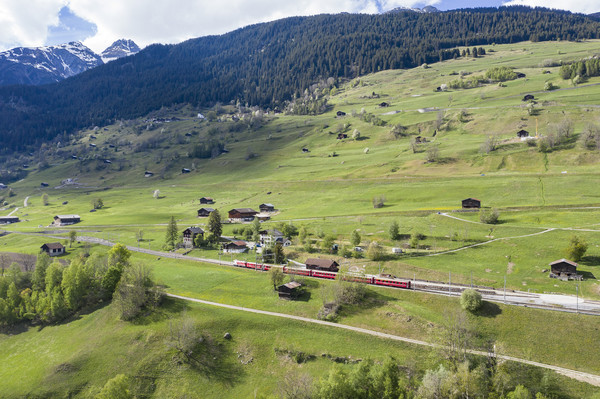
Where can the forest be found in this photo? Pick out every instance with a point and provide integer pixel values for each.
(268, 64)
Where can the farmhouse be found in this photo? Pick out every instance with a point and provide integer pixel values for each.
(564, 269)
(522, 133)
(44, 184)
(9, 219)
(189, 235)
(384, 104)
(65, 220)
(342, 136)
(471, 203)
(148, 174)
(242, 215)
(269, 237)
(205, 212)
(266, 207)
(235, 247)
(322, 264)
(340, 113)
(207, 200)
(528, 97)
(53, 248)
(289, 290)
(185, 170)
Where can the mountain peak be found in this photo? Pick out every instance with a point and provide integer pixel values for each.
(120, 48)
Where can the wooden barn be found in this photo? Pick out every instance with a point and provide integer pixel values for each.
(53, 248)
(266, 207)
(190, 234)
(471, 203)
(322, 264)
(242, 215)
(205, 212)
(528, 97)
(564, 269)
(290, 290)
(65, 220)
(9, 219)
(207, 200)
(522, 133)
(340, 113)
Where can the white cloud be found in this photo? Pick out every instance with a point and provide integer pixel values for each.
(164, 21)
(582, 6)
(25, 23)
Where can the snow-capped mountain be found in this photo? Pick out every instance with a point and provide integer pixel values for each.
(120, 48)
(48, 64)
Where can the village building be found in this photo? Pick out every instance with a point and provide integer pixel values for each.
(340, 113)
(65, 220)
(9, 219)
(289, 290)
(205, 212)
(322, 264)
(185, 170)
(235, 247)
(528, 97)
(268, 238)
(148, 174)
(242, 215)
(471, 203)
(53, 248)
(564, 269)
(190, 234)
(207, 200)
(522, 133)
(266, 207)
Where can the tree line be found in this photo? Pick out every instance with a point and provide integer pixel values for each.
(268, 65)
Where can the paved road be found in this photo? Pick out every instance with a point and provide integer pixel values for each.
(578, 375)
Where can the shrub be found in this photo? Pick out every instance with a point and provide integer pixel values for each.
(470, 300)
(577, 248)
(489, 216)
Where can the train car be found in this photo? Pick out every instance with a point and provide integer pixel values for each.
(239, 263)
(391, 283)
(323, 274)
(301, 272)
(358, 279)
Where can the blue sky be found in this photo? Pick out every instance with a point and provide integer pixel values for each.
(99, 23)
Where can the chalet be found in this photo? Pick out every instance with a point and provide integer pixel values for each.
(190, 234)
(266, 207)
(305, 150)
(522, 133)
(53, 248)
(342, 136)
(268, 237)
(263, 216)
(564, 269)
(242, 215)
(44, 184)
(148, 174)
(340, 113)
(65, 220)
(289, 290)
(384, 104)
(205, 212)
(520, 75)
(286, 242)
(207, 200)
(9, 219)
(322, 264)
(471, 203)
(235, 247)
(185, 170)
(528, 97)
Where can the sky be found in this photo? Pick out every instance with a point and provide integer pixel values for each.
(98, 24)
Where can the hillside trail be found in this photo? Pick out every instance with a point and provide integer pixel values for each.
(578, 375)
(13, 211)
(25, 202)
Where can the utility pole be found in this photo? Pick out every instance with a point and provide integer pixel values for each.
(471, 279)
(577, 302)
(504, 288)
(449, 282)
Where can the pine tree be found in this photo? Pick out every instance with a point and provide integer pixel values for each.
(214, 225)
(171, 236)
(355, 238)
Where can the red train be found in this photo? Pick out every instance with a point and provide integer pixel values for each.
(388, 282)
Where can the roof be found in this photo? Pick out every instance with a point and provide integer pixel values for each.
(207, 198)
(243, 210)
(207, 209)
(195, 230)
(272, 232)
(563, 260)
(236, 243)
(67, 216)
(269, 205)
(292, 284)
(8, 217)
(53, 245)
(320, 262)
(475, 199)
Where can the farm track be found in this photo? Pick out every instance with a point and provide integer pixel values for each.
(578, 375)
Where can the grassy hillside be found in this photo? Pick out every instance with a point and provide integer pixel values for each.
(329, 191)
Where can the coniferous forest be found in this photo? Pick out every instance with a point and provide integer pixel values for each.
(268, 64)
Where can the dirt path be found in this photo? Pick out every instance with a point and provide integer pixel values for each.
(25, 202)
(578, 375)
(13, 211)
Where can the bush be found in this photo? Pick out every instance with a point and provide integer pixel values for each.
(489, 216)
(470, 300)
(577, 248)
